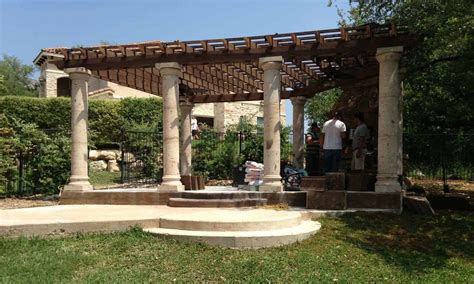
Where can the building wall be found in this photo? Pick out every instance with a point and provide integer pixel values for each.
(231, 113)
(49, 88)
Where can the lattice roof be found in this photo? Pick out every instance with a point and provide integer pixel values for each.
(223, 70)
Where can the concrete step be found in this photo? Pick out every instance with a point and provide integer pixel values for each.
(244, 239)
(216, 203)
(216, 195)
(232, 221)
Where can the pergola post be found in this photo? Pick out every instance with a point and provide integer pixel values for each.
(390, 120)
(186, 110)
(79, 180)
(271, 113)
(298, 130)
(170, 73)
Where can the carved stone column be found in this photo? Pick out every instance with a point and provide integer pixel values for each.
(186, 111)
(298, 130)
(272, 126)
(170, 73)
(79, 180)
(390, 120)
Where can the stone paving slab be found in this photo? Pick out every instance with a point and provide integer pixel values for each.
(92, 218)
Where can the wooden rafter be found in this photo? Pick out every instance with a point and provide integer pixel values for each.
(219, 70)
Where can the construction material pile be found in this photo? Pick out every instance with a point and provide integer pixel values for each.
(253, 173)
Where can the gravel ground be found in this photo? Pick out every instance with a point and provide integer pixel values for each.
(10, 203)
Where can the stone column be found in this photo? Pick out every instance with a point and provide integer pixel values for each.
(170, 73)
(271, 113)
(298, 130)
(390, 122)
(79, 180)
(186, 110)
(219, 118)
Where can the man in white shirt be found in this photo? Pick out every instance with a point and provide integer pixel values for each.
(334, 130)
(194, 127)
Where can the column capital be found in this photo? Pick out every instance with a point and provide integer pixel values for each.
(270, 63)
(169, 68)
(392, 53)
(78, 73)
(298, 100)
(186, 104)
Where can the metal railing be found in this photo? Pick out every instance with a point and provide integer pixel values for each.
(439, 156)
(141, 157)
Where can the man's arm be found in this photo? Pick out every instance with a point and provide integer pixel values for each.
(343, 131)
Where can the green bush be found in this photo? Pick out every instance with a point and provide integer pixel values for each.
(37, 132)
(215, 156)
(106, 118)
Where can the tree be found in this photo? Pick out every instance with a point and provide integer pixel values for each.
(15, 78)
(318, 107)
(439, 79)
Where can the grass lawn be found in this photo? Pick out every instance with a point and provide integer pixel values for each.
(104, 178)
(359, 248)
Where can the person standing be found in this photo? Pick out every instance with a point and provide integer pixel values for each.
(334, 130)
(359, 143)
(194, 127)
(312, 150)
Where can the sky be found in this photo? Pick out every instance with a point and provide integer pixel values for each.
(28, 26)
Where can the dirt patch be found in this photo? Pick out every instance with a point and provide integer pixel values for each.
(279, 206)
(458, 186)
(216, 182)
(11, 203)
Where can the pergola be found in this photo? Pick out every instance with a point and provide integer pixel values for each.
(292, 66)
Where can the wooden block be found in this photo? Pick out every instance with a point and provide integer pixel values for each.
(201, 182)
(360, 181)
(418, 204)
(195, 182)
(453, 201)
(187, 182)
(313, 183)
(335, 181)
(373, 200)
(326, 199)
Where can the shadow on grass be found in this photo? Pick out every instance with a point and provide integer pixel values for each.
(412, 242)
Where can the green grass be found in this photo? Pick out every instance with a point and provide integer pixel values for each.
(104, 178)
(352, 248)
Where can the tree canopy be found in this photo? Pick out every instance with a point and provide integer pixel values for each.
(438, 73)
(15, 78)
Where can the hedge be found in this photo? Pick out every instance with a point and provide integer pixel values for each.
(36, 132)
(106, 117)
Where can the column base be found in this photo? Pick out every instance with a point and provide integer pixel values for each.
(387, 184)
(271, 188)
(170, 187)
(271, 183)
(78, 187)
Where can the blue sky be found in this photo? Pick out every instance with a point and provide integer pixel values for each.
(28, 26)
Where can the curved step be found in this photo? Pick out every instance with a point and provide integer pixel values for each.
(216, 203)
(235, 221)
(216, 195)
(244, 239)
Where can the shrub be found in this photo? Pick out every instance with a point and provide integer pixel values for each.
(106, 118)
(37, 132)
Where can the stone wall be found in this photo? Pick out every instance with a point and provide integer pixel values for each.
(230, 113)
(105, 160)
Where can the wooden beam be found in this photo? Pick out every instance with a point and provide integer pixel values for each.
(341, 48)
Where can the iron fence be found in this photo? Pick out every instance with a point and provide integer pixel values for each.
(215, 154)
(443, 157)
(37, 165)
(141, 157)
